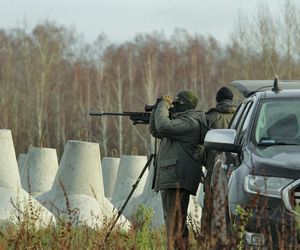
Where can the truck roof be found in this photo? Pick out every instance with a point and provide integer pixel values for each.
(247, 87)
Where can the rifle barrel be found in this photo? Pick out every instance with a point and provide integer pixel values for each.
(107, 113)
(136, 117)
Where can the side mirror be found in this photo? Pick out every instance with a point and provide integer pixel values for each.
(221, 140)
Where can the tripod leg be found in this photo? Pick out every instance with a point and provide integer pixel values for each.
(134, 186)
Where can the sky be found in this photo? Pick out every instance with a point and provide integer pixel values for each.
(121, 20)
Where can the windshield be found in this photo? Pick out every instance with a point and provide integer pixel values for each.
(278, 123)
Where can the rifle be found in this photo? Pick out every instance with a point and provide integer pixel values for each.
(136, 117)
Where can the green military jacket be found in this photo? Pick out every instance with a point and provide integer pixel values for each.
(220, 116)
(180, 134)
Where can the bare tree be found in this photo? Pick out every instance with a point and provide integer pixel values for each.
(289, 32)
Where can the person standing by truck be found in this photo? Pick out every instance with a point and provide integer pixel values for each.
(180, 127)
(217, 118)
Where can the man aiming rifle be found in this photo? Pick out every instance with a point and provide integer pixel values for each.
(181, 129)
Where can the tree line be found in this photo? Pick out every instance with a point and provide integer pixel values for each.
(50, 79)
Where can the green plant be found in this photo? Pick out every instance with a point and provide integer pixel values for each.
(239, 225)
(142, 221)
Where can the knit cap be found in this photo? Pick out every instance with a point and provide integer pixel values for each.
(224, 93)
(187, 97)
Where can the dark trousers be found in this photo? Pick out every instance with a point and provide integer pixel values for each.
(175, 205)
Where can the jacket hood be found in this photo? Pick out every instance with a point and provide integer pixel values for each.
(225, 107)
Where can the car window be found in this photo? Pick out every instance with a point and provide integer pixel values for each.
(278, 122)
(240, 115)
(244, 123)
(236, 117)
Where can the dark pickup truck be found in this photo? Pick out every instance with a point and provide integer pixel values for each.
(257, 171)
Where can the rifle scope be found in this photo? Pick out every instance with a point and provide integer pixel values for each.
(149, 108)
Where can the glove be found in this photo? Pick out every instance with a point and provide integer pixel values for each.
(168, 99)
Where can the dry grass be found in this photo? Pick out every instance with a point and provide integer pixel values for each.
(65, 235)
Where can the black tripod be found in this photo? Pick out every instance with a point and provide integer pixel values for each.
(134, 186)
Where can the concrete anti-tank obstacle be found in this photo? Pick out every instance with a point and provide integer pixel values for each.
(152, 199)
(196, 204)
(200, 192)
(22, 158)
(16, 202)
(194, 211)
(129, 169)
(9, 177)
(149, 199)
(200, 195)
(18, 205)
(40, 170)
(79, 171)
(77, 191)
(110, 166)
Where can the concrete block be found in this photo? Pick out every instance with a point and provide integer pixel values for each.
(77, 191)
(129, 169)
(17, 205)
(79, 171)
(9, 177)
(40, 170)
(22, 158)
(149, 199)
(110, 166)
(15, 202)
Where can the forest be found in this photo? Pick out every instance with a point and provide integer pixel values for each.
(50, 78)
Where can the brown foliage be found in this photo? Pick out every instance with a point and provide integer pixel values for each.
(50, 81)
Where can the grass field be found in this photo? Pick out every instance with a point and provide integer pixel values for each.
(67, 236)
(64, 235)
